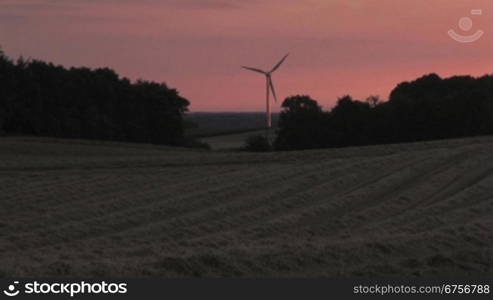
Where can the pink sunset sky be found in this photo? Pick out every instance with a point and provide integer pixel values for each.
(337, 47)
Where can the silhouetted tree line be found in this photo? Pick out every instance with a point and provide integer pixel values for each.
(38, 98)
(425, 109)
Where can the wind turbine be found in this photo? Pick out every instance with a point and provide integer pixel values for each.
(270, 87)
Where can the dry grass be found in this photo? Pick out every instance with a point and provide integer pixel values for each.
(94, 209)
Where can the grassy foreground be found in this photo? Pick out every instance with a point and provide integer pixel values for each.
(86, 208)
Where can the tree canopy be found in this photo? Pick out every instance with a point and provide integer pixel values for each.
(39, 98)
(425, 109)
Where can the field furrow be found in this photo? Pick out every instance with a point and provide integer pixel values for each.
(85, 208)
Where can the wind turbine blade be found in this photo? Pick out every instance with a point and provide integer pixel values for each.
(271, 84)
(254, 70)
(279, 63)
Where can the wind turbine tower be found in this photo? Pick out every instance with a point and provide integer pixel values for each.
(270, 87)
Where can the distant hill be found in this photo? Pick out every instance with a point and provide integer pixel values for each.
(204, 124)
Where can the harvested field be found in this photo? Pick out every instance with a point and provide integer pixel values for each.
(84, 208)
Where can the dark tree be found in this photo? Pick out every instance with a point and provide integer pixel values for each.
(38, 98)
(349, 122)
(300, 123)
(425, 109)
